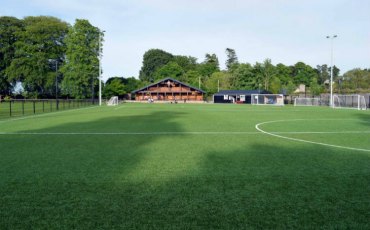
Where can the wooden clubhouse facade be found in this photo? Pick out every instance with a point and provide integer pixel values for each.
(169, 89)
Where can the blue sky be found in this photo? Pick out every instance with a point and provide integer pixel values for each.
(286, 31)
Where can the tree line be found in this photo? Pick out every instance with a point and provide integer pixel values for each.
(45, 57)
(280, 78)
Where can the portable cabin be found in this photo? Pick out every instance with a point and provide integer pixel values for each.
(236, 96)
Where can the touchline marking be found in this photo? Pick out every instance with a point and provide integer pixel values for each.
(300, 140)
(131, 133)
(172, 133)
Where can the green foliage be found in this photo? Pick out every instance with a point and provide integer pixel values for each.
(232, 59)
(315, 88)
(275, 85)
(114, 87)
(303, 74)
(171, 69)
(209, 66)
(290, 88)
(218, 80)
(39, 43)
(9, 28)
(265, 72)
(323, 73)
(81, 69)
(356, 79)
(336, 72)
(186, 63)
(284, 73)
(131, 84)
(244, 77)
(153, 59)
(192, 78)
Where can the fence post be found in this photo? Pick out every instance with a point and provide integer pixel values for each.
(34, 107)
(22, 107)
(10, 108)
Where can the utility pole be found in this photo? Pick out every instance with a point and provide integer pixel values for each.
(56, 79)
(100, 67)
(331, 69)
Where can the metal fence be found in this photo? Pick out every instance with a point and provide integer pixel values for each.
(324, 98)
(24, 107)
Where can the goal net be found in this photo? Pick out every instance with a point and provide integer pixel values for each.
(267, 99)
(304, 101)
(353, 101)
(113, 101)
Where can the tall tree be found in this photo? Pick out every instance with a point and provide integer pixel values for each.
(232, 59)
(209, 66)
(153, 59)
(284, 73)
(303, 74)
(81, 69)
(356, 79)
(218, 80)
(192, 78)
(323, 73)
(275, 85)
(315, 87)
(114, 87)
(131, 84)
(39, 43)
(336, 72)
(213, 60)
(265, 72)
(9, 27)
(243, 77)
(171, 69)
(186, 63)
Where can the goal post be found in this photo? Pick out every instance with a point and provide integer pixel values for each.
(113, 101)
(267, 99)
(352, 101)
(304, 101)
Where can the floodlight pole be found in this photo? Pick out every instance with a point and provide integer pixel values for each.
(331, 69)
(56, 79)
(100, 67)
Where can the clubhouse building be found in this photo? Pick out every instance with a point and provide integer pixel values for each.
(168, 89)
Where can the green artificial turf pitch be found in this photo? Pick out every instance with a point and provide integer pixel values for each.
(183, 166)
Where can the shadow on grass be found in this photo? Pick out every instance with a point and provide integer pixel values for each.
(130, 182)
(365, 117)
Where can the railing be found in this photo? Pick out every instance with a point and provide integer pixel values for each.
(24, 107)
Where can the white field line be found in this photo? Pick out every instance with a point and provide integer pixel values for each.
(129, 133)
(172, 133)
(334, 132)
(301, 140)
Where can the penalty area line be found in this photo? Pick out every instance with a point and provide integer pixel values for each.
(301, 140)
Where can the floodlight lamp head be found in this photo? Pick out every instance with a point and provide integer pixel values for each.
(327, 36)
(335, 36)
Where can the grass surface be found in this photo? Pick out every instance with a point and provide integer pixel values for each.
(182, 166)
